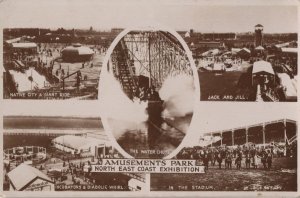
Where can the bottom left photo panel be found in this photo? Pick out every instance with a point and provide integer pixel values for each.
(54, 153)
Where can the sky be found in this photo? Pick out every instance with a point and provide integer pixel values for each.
(179, 15)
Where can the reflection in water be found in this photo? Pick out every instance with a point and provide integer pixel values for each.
(153, 141)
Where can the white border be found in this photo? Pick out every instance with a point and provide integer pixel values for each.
(6, 8)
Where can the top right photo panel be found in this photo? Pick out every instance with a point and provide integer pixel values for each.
(247, 54)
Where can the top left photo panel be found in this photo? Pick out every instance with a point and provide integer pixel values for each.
(53, 63)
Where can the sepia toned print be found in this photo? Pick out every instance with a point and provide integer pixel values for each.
(52, 154)
(152, 77)
(257, 62)
(162, 98)
(240, 155)
(66, 63)
(41, 63)
(252, 66)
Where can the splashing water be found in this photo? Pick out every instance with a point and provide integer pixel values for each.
(123, 114)
(178, 93)
(126, 115)
(115, 103)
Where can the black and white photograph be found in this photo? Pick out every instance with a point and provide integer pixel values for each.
(237, 59)
(250, 54)
(148, 92)
(137, 98)
(252, 66)
(44, 63)
(51, 153)
(240, 153)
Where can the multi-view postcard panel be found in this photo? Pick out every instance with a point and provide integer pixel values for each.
(66, 63)
(63, 153)
(152, 77)
(252, 66)
(43, 153)
(248, 158)
(53, 64)
(170, 109)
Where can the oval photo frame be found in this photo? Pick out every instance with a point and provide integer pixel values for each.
(105, 70)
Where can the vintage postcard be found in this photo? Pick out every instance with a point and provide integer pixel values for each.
(181, 98)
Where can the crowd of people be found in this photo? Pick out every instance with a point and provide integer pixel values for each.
(77, 171)
(240, 156)
(224, 60)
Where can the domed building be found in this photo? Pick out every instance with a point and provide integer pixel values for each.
(77, 53)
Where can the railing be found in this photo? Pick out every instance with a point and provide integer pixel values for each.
(125, 50)
(121, 63)
(168, 58)
(69, 82)
(172, 41)
(135, 176)
(292, 139)
(272, 95)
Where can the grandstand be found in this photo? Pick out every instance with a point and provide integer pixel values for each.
(281, 131)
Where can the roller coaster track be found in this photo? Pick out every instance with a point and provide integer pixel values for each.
(158, 53)
(122, 70)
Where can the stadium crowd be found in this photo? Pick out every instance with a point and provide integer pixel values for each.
(242, 156)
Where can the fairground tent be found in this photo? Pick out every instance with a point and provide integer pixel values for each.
(262, 66)
(77, 52)
(212, 52)
(260, 48)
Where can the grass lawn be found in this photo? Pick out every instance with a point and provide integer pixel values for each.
(232, 180)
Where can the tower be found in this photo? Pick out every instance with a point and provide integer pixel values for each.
(258, 35)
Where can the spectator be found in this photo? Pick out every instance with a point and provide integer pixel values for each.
(247, 161)
(238, 162)
(205, 161)
(269, 160)
(219, 159)
(255, 161)
(264, 160)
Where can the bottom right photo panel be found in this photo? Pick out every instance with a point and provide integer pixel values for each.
(244, 147)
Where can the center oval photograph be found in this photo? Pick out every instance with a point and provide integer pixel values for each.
(148, 89)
